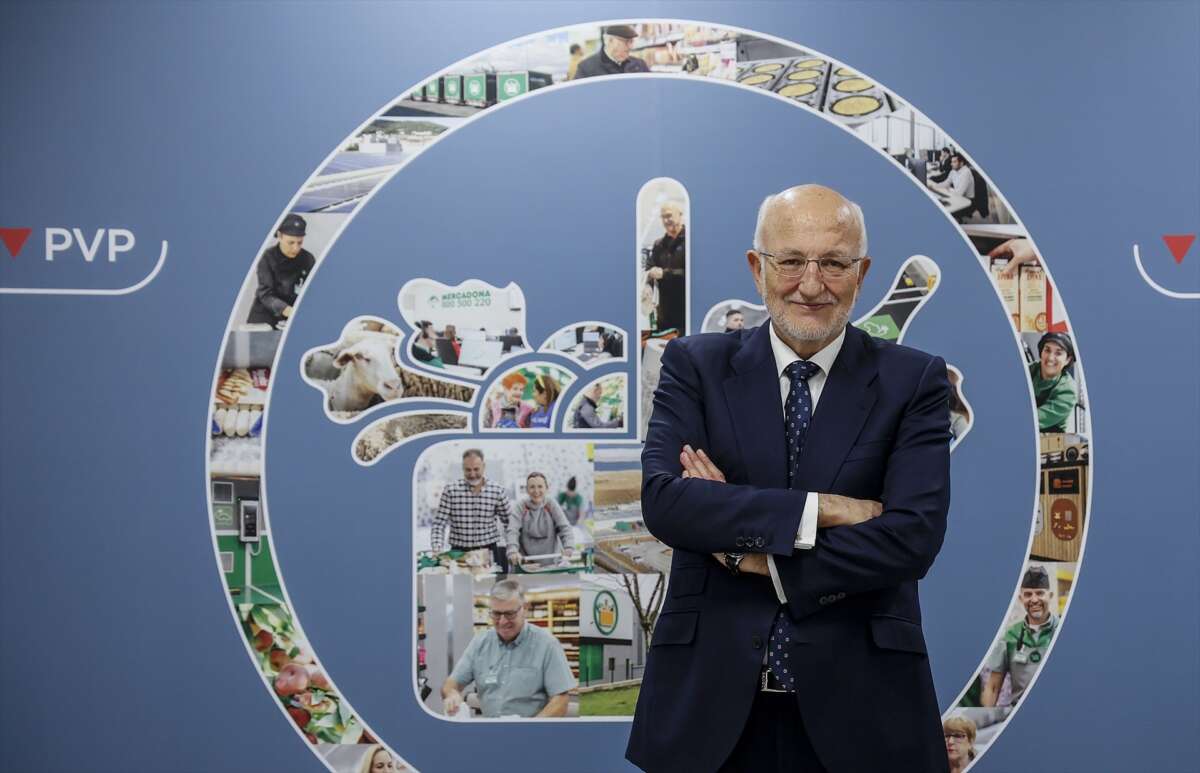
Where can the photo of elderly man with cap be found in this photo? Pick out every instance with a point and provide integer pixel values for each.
(1021, 651)
(1054, 388)
(613, 58)
(282, 269)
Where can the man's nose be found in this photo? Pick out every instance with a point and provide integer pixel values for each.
(810, 281)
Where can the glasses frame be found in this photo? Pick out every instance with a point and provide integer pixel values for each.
(774, 261)
(511, 615)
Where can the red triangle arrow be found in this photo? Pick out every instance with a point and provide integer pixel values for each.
(14, 239)
(1179, 244)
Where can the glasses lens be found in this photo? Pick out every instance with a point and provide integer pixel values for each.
(834, 267)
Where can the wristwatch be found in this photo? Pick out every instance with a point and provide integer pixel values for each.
(733, 561)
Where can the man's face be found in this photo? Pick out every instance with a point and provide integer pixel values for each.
(595, 393)
(735, 322)
(617, 48)
(672, 218)
(1054, 359)
(290, 245)
(508, 616)
(955, 162)
(1037, 604)
(472, 469)
(811, 309)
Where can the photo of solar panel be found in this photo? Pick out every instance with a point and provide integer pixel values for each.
(338, 193)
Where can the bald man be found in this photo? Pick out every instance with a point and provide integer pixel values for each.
(800, 472)
(667, 265)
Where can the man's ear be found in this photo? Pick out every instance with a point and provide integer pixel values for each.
(863, 266)
(755, 263)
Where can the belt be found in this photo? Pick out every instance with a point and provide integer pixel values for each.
(768, 683)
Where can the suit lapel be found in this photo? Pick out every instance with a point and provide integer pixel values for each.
(752, 395)
(846, 401)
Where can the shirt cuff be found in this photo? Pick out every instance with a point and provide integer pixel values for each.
(806, 535)
(779, 594)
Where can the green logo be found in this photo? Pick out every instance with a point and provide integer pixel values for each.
(881, 326)
(604, 612)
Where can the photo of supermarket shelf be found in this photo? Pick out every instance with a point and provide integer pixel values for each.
(623, 543)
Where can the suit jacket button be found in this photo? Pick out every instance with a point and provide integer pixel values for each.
(823, 600)
(841, 595)
(758, 542)
(756, 642)
(739, 542)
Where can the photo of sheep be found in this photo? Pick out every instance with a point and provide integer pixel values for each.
(359, 371)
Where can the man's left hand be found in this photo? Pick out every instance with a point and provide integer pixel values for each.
(696, 464)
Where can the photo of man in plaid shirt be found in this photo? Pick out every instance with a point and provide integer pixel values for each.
(476, 511)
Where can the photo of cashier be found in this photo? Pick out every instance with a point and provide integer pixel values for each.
(538, 526)
(1054, 388)
(518, 669)
(282, 269)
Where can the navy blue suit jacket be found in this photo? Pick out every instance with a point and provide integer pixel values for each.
(880, 431)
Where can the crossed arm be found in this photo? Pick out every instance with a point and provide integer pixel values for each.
(689, 506)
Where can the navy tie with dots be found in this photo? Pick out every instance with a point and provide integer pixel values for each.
(797, 415)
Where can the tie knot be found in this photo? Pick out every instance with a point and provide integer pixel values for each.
(801, 370)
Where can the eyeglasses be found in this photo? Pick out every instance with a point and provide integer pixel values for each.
(497, 615)
(956, 735)
(831, 267)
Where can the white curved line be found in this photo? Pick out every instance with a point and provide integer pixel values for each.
(1137, 259)
(162, 258)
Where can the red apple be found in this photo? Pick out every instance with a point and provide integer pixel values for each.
(279, 659)
(293, 678)
(263, 640)
(300, 716)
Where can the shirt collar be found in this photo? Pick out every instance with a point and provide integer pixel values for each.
(784, 355)
(1050, 624)
(518, 639)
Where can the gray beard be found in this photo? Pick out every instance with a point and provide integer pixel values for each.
(778, 311)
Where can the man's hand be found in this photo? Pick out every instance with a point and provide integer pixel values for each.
(655, 273)
(450, 702)
(514, 557)
(696, 464)
(837, 510)
(753, 563)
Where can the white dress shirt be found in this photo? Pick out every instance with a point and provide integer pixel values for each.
(806, 535)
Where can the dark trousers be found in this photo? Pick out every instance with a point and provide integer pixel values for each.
(499, 554)
(773, 739)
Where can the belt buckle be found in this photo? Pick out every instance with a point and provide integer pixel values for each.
(764, 681)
